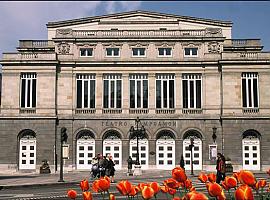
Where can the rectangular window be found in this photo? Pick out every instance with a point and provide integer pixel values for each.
(192, 87)
(191, 52)
(164, 52)
(28, 90)
(86, 89)
(86, 52)
(138, 87)
(250, 96)
(112, 52)
(138, 52)
(112, 93)
(165, 90)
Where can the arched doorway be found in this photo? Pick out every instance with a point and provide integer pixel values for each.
(27, 152)
(251, 150)
(165, 150)
(197, 150)
(85, 149)
(143, 149)
(112, 144)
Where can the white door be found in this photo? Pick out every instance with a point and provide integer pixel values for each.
(197, 154)
(143, 151)
(251, 153)
(165, 158)
(113, 147)
(85, 153)
(27, 158)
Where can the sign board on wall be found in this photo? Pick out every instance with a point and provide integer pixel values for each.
(65, 151)
(212, 152)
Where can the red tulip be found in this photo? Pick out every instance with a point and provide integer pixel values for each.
(195, 196)
(203, 177)
(260, 184)
(112, 197)
(268, 172)
(247, 177)
(84, 184)
(87, 196)
(134, 190)
(164, 189)
(214, 189)
(95, 186)
(179, 174)
(236, 175)
(147, 192)
(212, 177)
(104, 184)
(243, 192)
(171, 191)
(171, 183)
(142, 185)
(124, 187)
(155, 187)
(229, 182)
(188, 184)
(72, 194)
(176, 198)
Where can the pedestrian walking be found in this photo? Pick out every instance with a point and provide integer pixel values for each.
(182, 162)
(111, 169)
(220, 168)
(130, 162)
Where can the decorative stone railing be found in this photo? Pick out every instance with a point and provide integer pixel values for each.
(29, 56)
(36, 44)
(27, 110)
(251, 110)
(112, 111)
(138, 111)
(165, 111)
(85, 111)
(209, 32)
(192, 111)
(247, 55)
(243, 42)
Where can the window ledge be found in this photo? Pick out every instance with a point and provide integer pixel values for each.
(27, 110)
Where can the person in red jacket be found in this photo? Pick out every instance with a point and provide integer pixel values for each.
(220, 168)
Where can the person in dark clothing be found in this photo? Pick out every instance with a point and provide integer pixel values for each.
(182, 162)
(220, 168)
(130, 162)
(111, 169)
(103, 163)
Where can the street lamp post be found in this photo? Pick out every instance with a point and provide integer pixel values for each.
(191, 154)
(214, 136)
(137, 132)
(64, 138)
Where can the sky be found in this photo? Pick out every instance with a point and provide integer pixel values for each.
(24, 20)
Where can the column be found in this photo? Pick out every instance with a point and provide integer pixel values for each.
(125, 94)
(178, 93)
(152, 92)
(99, 92)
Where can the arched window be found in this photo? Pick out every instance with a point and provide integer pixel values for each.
(112, 144)
(27, 152)
(197, 150)
(251, 150)
(85, 149)
(165, 150)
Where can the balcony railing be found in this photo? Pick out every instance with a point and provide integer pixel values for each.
(138, 111)
(165, 111)
(29, 56)
(250, 110)
(243, 42)
(27, 110)
(85, 111)
(244, 56)
(111, 111)
(191, 111)
(36, 44)
(63, 33)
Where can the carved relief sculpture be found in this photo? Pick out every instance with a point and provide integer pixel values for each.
(63, 48)
(213, 47)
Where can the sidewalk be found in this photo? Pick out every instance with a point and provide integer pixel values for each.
(31, 179)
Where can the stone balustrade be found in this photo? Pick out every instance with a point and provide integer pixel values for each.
(243, 42)
(245, 56)
(29, 56)
(36, 44)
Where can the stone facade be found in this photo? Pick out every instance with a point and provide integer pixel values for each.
(221, 63)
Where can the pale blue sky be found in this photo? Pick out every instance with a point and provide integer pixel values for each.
(27, 20)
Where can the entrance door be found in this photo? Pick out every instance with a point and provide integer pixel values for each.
(113, 147)
(197, 154)
(165, 158)
(27, 158)
(251, 153)
(85, 153)
(143, 151)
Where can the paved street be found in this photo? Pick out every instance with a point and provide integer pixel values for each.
(35, 186)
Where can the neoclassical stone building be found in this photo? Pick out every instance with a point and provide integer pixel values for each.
(184, 77)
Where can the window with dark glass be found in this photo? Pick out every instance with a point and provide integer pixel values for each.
(138, 87)
(86, 52)
(191, 52)
(165, 90)
(250, 91)
(164, 51)
(112, 93)
(28, 90)
(192, 87)
(112, 52)
(136, 52)
(86, 85)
